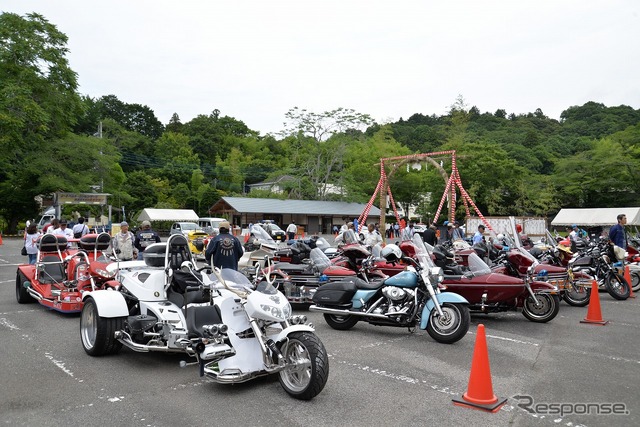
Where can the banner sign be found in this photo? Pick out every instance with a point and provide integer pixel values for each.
(82, 198)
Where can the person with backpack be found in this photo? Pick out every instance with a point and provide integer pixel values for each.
(80, 229)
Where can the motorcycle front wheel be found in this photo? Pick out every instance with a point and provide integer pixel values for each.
(22, 295)
(98, 333)
(307, 367)
(577, 294)
(617, 286)
(546, 309)
(452, 326)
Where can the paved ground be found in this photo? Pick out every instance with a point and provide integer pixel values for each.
(378, 375)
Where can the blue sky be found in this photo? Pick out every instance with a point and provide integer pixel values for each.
(254, 60)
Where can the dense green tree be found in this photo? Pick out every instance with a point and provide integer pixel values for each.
(38, 105)
(320, 126)
(176, 158)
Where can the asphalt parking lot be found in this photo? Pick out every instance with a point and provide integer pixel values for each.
(378, 375)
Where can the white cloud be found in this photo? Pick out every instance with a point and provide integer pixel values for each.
(254, 60)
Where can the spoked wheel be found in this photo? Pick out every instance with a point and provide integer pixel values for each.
(544, 308)
(617, 286)
(98, 333)
(577, 294)
(22, 295)
(450, 327)
(341, 323)
(307, 367)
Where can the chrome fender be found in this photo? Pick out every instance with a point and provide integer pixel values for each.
(295, 328)
(109, 303)
(442, 298)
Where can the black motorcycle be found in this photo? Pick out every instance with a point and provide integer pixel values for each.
(599, 261)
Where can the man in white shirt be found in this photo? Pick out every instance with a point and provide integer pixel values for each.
(64, 231)
(373, 236)
(292, 229)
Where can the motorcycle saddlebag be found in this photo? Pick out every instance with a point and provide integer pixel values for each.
(335, 293)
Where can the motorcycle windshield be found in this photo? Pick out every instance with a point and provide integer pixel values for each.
(262, 235)
(349, 237)
(549, 239)
(422, 253)
(376, 251)
(233, 279)
(406, 234)
(322, 243)
(514, 241)
(319, 259)
(477, 266)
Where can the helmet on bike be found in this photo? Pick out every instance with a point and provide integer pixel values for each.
(391, 253)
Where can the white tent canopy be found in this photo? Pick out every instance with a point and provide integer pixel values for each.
(594, 217)
(168, 215)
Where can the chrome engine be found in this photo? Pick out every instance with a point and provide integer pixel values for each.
(398, 301)
(394, 294)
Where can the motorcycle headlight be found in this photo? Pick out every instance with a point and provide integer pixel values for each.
(277, 312)
(438, 274)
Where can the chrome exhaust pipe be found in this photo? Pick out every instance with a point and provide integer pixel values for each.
(34, 294)
(339, 312)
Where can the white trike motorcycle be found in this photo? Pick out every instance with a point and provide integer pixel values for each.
(235, 333)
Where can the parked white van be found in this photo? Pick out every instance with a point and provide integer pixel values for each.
(210, 225)
(46, 218)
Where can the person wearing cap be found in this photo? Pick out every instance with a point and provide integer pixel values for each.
(144, 237)
(63, 230)
(573, 234)
(224, 250)
(123, 244)
(479, 236)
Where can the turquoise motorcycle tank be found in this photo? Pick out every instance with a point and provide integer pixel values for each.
(404, 279)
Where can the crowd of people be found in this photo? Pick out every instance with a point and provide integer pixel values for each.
(225, 250)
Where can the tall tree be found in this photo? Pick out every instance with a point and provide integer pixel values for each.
(38, 103)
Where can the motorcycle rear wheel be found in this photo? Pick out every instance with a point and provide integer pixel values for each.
(546, 311)
(452, 326)
(307, 368)
(577, 295)
(635, 281)
(341, 323)
(617, 286)
(98, 333)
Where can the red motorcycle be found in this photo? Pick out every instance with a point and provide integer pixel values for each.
(466, 274)
(62, 274)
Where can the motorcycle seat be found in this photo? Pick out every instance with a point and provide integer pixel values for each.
(199, 316)
(53, 270)
(363, 284)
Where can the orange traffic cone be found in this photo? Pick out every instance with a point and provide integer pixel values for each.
(594, 315)
(627, 277)
(0, 238)
(479, 393)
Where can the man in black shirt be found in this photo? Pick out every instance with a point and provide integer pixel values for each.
(224, 250)
(144, 237)
(429, 235)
